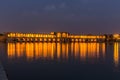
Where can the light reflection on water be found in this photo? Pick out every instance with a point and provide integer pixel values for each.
(64, 59)
(65, 51)
(116, 54)
(59, 50)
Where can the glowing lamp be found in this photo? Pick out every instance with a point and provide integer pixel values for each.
(116, 35)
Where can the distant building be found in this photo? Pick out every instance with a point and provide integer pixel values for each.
(2, 37)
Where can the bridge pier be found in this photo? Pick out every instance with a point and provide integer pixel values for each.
(53, 40)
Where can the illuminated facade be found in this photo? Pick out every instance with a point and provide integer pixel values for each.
(53, 37)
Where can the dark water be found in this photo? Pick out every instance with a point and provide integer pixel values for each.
(56, 61)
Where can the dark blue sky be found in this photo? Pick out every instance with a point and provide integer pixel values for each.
(76, 16)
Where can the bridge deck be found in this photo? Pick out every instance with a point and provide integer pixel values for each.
(2, 73)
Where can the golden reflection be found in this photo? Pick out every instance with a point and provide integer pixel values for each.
(58, 50)
(50, 50)
(50, 54)
(11, 50)
(45, 48)
(92, 50)
(40, 49)
(98, 50)
(63, 50)
(72, 48)
(83, 50)
(116, 54)
(103, 49)
(19, 49)
(37, 51)
(29, 50)
(53, 50)
(76, 50)
(67, 50)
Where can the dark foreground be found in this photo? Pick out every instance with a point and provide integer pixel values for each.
(2, 73)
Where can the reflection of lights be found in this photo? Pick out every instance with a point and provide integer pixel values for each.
(67, 50)
(18, 49)
(72, 48)
(76, 49)
(11, 50)
(98, 50)
(103, 49)
(116, 54)
(40, 49)
(29, 50)
(83, 50)
(49, 50)
(56, 50)
(63, 50)
(37, 50)
(53, 50)
(93, 50)
(45, 48)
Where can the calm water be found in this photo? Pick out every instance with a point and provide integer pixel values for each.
(53, 61)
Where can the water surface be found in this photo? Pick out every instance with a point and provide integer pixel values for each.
(53, 61)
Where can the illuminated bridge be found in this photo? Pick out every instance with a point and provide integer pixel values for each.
(58, 37)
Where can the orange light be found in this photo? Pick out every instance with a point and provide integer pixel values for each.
(116, 35)
(116, 54)
(58, 34)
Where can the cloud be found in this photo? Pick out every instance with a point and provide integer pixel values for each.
(50, 7)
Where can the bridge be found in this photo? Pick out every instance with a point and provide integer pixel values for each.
(55, 37)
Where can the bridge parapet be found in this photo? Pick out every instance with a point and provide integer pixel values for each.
(53, 37)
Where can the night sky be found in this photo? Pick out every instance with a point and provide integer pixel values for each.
(76, 16)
